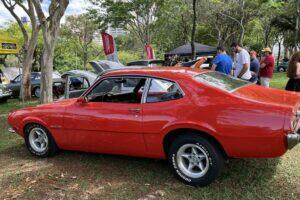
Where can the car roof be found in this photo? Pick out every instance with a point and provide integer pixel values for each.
(87, 74)
(172, 73)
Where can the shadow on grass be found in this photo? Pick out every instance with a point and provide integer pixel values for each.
(144, 169)
(241, 178)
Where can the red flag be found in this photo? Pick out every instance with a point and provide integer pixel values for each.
(149, 51)
(109, 46)
(108, 43)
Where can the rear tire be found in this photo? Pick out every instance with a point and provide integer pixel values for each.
(39, 141)
(195, 160)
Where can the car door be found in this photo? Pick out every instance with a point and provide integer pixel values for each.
(161, 108)
(76, 85)
(15, 86)
(110, 121)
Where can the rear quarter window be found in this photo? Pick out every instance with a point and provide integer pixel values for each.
(221, 81)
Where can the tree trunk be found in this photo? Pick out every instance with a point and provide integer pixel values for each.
(85, 57)
(47, 66)
(279, 51)
(297, 24)
(27, 66)
(50, 27)
(242, 35)
(193, 30)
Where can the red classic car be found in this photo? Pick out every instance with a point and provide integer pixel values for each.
(193, 118)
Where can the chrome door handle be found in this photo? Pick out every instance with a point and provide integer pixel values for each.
(135, 110)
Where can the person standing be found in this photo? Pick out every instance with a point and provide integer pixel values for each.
(242, 63)
(222, 62)
(293, 73)
(266, 67)
(254, 66)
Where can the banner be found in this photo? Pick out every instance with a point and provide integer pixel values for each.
(149, 52)
(109, 47)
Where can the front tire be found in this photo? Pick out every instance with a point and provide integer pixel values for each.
(39, 141)
(195, 160)
(37, 92)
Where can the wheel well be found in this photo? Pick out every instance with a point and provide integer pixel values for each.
(171, 136)
(26, 126)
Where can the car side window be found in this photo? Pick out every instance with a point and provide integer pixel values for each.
(78, 83)
(18, 78)
(118, 90)
(163, 90)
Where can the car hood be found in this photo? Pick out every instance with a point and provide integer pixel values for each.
(59, 103)
(269, 96)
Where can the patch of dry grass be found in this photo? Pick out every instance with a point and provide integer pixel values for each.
(74, 175)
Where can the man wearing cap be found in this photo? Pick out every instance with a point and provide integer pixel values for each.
(266, 67)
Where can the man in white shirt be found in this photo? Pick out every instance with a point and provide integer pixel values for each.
(242, 62)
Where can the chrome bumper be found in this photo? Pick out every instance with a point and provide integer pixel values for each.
(11, 130)
(293, 140)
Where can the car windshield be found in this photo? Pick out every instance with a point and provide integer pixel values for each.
(221, 81)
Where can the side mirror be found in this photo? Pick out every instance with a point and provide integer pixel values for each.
(82, 100)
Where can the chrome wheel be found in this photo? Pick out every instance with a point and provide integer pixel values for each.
(281, 69)
(37, 92)
(38, 139)
(192, 160)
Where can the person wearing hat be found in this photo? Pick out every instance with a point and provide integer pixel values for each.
(266, 67)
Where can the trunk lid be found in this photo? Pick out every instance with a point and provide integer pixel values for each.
(269, 96)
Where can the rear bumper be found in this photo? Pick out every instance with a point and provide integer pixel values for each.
(293, 140)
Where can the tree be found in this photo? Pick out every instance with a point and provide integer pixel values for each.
(136, 16)
(29, 44)
(83, 29)
(236, 14)
(50, 28)
(194, 30)
(297, 25)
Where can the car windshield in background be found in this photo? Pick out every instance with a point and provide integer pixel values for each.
(221, 81)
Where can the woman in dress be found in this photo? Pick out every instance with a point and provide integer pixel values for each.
(293, 73)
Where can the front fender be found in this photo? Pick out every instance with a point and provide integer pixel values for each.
(29, 120)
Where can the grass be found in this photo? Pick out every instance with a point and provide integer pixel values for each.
(74, 175)
(279, 80)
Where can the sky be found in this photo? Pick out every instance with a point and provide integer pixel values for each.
(75, 7)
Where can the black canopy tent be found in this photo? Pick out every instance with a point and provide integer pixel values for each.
(186, 50)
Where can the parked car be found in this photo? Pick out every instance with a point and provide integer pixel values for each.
(282, 67)
(78, 81)
(4, 93)
(15, 84)
(147, 63)
(195, 119)
(101, 66)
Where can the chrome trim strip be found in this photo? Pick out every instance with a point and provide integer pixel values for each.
(293, 139)
(146, 89)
